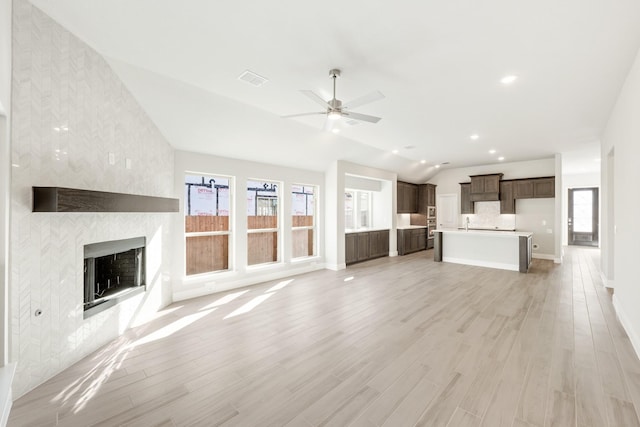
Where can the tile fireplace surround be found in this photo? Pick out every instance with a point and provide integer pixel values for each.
(60, 82)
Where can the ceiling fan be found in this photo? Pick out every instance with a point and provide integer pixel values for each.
(334, 107)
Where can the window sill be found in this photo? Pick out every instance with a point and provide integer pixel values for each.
(300, 260)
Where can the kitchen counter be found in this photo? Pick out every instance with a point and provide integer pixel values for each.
(363, 230)
(411, 227)
(506, 250)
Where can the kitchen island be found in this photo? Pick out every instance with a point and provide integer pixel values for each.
(506, 250)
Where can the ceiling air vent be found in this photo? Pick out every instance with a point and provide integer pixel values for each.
(252, 78)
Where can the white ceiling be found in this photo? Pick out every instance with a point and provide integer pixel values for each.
(439, 64)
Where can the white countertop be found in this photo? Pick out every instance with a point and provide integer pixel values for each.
(497, 233)
(363, 230)
(409, 227)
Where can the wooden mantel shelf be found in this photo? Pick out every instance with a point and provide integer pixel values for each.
(58, 199)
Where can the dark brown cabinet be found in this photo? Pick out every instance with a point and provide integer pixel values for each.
(407, 197)
(485, 187)
(466, 205)
(507, 201)
(544, 187)
(523, 189)
(366, 245)
(426, 198)
(411, 240)
(351, 248)
(378, 243)
(534, 188)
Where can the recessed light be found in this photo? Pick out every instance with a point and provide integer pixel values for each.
(507, 80)
(492, 151)
(423, 161)
(57, 129)
(395, 151)
(409, 147)
(437, 166)
(501, 158)
(335, 130)
(15, 165)
(474, 136)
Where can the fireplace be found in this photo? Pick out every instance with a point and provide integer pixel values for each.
(113, 271)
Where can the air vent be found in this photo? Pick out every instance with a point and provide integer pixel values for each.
(252, 78)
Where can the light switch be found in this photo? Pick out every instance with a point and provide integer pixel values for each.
(127, 163)
(112, 158)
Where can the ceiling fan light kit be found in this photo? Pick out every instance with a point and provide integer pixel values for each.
(335, 109)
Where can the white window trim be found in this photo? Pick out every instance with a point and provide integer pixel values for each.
(278, 229)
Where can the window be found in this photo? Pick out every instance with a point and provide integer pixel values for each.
(303, 208)
(262, 222)
(357, 209)
(206, 223)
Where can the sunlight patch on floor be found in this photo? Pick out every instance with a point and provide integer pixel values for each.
(171, 328)
(279, 286)
(225, 299)
(248, 306)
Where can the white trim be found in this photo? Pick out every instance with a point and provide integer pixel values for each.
(336, 267)
(626, 324)
(6, 396)
(477, 263)
(543, 256)
(557, 260)
(393, 253)
(606, 282)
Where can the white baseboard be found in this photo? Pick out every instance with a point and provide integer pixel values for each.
(627, 325)
(6, 397)
(557, 260)
(607, 283)
(394, 253)
(543, 256)
(335, 267)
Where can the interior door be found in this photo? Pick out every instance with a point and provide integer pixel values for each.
(583, 221)
(447, 210)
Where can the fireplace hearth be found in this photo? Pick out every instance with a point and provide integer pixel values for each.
(113, 271)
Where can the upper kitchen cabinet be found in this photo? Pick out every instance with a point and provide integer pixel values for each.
(407, 197)
(485, 187)
(507, 201)
(544, 187)
(534, 188)
(426, 197)
(466, 205)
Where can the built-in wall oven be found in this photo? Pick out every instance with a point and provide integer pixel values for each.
(431, 212)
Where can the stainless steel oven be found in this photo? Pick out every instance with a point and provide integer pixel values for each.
(431, 212)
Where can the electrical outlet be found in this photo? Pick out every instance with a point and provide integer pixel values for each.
(549, 230)
(127, 163)
(112, 159)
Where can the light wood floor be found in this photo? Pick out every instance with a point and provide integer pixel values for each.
(396, 342)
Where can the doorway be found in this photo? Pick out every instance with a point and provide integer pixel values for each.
(583, 221)
(447, 211)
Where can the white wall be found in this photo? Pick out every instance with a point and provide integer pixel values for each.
(538, 216)
(579, 180)
(622, 133)
(58, 80)
(241, 274)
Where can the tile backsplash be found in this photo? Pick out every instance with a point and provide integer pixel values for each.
(487, 215)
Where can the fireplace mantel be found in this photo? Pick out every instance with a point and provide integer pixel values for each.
(67, 200)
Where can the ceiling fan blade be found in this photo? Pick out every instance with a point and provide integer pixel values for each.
(316, 98)
(363, 117)
(371, 97)
(302, 114)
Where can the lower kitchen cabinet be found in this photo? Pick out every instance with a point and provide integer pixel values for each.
(411, 240)
(366, 245)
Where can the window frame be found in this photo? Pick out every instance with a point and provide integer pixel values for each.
(277, 229)
(313, 227)
(229, 232)
(356, 209)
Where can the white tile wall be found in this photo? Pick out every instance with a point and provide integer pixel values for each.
(487, 215)
(60, 82)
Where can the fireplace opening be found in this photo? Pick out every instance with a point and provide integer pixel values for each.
(113, 271)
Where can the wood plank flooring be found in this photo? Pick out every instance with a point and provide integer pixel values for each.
(391, 342)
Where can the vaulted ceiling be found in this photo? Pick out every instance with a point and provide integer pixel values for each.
(438, 63)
